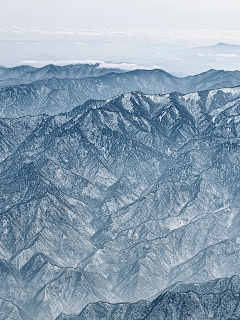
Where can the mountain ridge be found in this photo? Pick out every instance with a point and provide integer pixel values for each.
(55, 96)
(117, 200)
(169, 305)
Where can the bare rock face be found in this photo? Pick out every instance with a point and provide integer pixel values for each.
(119, 200)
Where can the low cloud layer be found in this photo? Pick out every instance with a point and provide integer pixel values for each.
(227, 55)
(101, 64)
(172, 35)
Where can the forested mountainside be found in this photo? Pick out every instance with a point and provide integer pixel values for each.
(117, 201)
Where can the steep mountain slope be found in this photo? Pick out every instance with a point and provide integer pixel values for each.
(55, 95)
(118, 200)
(8, 311)
(14, 131)
(218, 299)
(213, 286)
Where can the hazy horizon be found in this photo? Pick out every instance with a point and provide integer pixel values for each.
(133, 32)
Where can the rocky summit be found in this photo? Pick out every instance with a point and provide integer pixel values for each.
(134, 198)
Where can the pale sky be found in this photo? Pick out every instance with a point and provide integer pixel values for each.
(38, 32)
(124, 14)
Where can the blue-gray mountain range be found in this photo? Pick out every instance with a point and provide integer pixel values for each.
(59, 89)
(116, 201)
(26, 74)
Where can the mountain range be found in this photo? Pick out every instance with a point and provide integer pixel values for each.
(120, 200)
(56, 93)
(26, 74)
